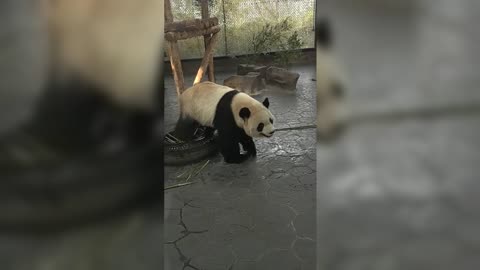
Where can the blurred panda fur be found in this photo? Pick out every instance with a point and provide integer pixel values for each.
(103, 82)
(330, 83)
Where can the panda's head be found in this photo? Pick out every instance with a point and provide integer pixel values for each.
(254, 117)
(331, 109)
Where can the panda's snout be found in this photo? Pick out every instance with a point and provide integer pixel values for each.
(270, 134)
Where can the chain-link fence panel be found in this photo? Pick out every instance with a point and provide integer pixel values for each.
(241, 19)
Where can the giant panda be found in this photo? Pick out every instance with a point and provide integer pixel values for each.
(235, 115)
(103, 74)
(330, 83)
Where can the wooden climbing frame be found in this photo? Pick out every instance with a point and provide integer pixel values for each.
(175, 31)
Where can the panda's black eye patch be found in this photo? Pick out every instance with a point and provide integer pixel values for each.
(260, 127)
(271, 121)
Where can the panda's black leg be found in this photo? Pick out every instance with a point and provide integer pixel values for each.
(209, 132)
(67, 112)
(140, 128)
(248, 145)
(185, 128)
(230, 149)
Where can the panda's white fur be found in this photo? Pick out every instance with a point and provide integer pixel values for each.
(236, 116)
(200, 103)
(103, 85)
(259, 114)
(115, 44)
(330, 83)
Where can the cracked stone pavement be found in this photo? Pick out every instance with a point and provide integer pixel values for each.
(257, 215)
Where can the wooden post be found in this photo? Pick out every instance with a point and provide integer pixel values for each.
(207, 39)
(168, 12)
(176, 65)
(206, 58)
(174, 54)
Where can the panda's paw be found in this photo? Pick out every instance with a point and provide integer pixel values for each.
(236, 160)
(243, 157)
(252, 156)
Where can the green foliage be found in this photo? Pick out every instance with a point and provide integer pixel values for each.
(271, 36)
(290, 50)
(242, 19)
(276, 37)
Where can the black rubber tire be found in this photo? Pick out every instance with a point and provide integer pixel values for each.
(190, 152)
(81, 191)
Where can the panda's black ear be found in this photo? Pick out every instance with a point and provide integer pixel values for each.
(323, 35)
(244, 113)
(266, 103)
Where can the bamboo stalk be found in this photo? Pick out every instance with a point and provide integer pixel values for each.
(179, 185)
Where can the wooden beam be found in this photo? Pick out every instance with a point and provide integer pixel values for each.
(176, 65)
(191, 25)
(174, 36)
(205, 61)
(204, 9)
(206, 40)
(174, 54)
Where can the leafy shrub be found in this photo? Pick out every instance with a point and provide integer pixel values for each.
(276, 37)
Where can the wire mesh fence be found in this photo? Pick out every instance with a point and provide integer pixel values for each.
(241, 19)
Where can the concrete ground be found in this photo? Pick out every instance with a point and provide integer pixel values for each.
(400, 189)
(256, 215)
